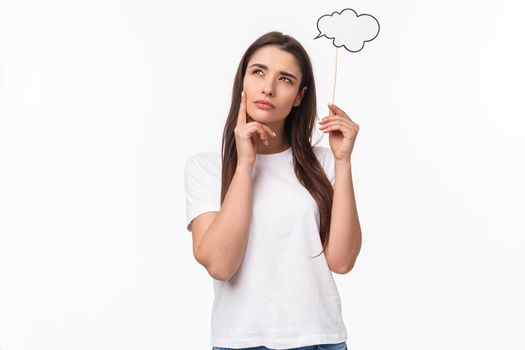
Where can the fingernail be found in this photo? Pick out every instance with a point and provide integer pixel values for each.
(274, 134)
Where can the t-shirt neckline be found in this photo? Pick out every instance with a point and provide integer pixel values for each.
(270, 157)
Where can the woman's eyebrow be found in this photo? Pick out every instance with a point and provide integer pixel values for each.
(266, 67)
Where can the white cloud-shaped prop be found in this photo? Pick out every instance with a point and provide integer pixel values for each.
(348, 29)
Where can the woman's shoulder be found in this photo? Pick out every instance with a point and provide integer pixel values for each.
(209, 160)
(203, 155)
(326, 159)
(321, 151)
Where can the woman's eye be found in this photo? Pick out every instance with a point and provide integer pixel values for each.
(258, 70)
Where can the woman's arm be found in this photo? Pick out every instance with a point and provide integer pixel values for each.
(344, 243)
(345, 231)
(223, 244)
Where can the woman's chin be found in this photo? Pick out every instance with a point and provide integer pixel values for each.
(262, 116)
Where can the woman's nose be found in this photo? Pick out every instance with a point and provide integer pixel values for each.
(267, 90)
(268, 87)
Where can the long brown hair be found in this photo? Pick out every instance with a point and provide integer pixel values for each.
(298, 127)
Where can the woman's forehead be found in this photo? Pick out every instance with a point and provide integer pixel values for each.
(275, 59)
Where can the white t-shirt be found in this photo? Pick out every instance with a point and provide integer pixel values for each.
(279, 297)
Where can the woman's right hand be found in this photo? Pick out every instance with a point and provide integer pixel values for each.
(245, 134)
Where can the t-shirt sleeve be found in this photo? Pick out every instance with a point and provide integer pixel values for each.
(326, 160)
(329, 164)
(202, 188)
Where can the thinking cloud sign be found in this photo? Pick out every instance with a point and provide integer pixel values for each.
(348, 29)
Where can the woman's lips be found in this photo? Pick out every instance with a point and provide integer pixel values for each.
(263, 106)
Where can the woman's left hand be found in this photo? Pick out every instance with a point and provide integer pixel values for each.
(343, 132)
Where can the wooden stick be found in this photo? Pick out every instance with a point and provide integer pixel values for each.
(335, 75)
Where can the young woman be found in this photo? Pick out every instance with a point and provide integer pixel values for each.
(261, 208)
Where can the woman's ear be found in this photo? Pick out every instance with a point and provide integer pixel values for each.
(299, 97)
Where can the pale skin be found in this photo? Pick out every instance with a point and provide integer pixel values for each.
(276, 82)
(220, 238)
(345, 231)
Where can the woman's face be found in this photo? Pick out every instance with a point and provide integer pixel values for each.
(272, 75)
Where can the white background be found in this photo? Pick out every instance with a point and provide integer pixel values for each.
(101, 103)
